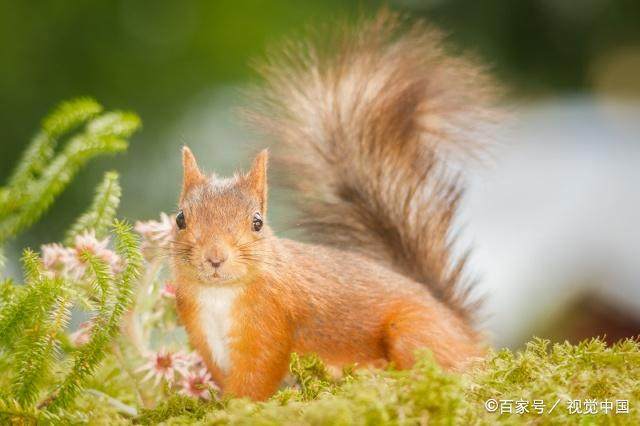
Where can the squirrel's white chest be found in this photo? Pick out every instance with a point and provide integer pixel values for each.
(215, 306)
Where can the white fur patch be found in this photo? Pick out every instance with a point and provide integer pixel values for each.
(215, 316)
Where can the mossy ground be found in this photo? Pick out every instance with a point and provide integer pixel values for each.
(427, 395)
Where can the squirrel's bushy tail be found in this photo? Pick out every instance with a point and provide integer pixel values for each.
(369, 125)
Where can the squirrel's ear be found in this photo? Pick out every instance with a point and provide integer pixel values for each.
(191, 173)
(257, 178)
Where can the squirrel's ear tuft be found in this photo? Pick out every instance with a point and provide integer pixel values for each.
(191, 173)
(257, 178)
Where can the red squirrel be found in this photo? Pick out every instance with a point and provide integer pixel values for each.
(362, 132)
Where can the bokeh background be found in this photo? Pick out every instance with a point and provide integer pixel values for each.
(554, 219)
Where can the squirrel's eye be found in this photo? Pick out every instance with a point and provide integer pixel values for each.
(180, 220)
(256, 224)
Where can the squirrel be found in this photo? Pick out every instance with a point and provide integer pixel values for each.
(364, 128)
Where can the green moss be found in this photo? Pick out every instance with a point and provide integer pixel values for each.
(178, 407)
(426, 394)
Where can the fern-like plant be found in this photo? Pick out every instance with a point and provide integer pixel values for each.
(44, 171)
(42, 373)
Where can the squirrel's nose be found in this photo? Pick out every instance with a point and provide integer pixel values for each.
(216, 261)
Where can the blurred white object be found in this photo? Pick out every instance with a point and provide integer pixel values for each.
(559, 210)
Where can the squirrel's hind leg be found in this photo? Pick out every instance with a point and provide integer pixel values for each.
(417, 327)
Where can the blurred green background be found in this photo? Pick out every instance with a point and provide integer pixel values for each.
(157, 58)
(182, 64)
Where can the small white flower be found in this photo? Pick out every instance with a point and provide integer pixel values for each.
(82, 334)
(114, 261)
(156, 233)
(87, 242)
(56, 259)
(163, 365)
(197, 384)
(195, 361)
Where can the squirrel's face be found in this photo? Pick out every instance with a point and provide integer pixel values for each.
(220, 235)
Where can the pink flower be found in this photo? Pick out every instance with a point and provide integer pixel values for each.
(67, 262)
(87, 242)
(164, 365)
(82, 334)
(114, 261)
(195, 361)
(56, 259)
(197, 384)
(156, 233)
(168, 291)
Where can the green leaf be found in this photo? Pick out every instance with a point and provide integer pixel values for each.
(106, 327)
(8, 291)
(102, 211)
(41, 174)
(63, 119)
(118, 123)
(31, 304)
(36, 351)
(57, 176)
(27, 309)
(70, 114)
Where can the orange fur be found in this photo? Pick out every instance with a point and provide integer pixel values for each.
(296, 297)
(361, 134)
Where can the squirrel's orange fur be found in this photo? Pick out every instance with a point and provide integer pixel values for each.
(364, 133)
